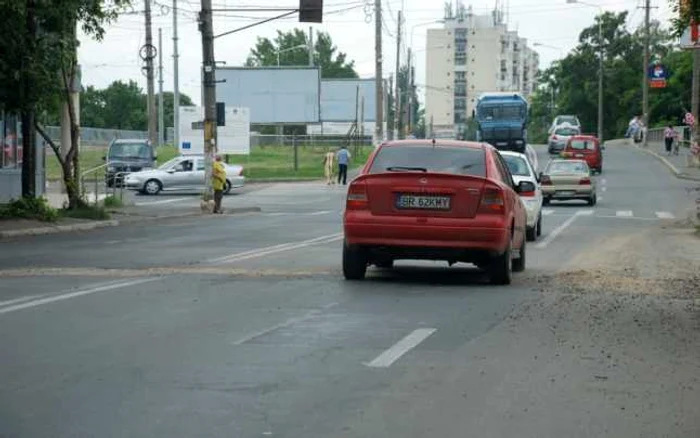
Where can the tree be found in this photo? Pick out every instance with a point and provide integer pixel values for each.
(406, 93)
(570, 85)
(333, 64)
(40, 42)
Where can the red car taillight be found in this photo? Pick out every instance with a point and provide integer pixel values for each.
(357, 197)
(585, 181)
(546, 181)
(492, 201)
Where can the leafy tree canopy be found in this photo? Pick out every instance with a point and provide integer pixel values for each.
(287, 45)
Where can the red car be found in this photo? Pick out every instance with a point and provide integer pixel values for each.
(435, 200)
(587, 148)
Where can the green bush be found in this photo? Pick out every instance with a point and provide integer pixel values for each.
(29, 208)
(87, 212)
(112, 201)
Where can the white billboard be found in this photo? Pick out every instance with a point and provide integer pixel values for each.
(342, 99)
(232, 139)
(274, 95)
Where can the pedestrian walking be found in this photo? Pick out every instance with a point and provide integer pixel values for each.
(219, 183)
(669, 135)
(343, 161)
(328, 165)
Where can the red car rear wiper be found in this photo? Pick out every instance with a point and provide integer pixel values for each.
(406, 169)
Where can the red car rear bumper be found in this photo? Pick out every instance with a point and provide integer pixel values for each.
(488, 236)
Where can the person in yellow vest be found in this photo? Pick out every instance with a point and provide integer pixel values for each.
(218, 183)
(328, 164)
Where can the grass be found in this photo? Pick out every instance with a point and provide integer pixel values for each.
(264, 162)
(92, 212)
(271, 162)
(112, 201)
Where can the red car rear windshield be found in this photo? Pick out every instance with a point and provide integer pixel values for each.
(429, 158)
(582, 145)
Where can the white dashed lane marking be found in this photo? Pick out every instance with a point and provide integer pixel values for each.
(665, 215)
(624, 213)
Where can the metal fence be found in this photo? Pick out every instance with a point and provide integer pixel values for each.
(657, 134)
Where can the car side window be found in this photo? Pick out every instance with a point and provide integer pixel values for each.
(509, 176)
(504, 174)
(184, 166)
(200, 165)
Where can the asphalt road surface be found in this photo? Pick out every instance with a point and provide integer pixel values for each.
(242, 326)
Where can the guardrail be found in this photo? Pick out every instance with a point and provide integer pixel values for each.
(98, 180)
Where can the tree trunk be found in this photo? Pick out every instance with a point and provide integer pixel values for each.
(28, 154)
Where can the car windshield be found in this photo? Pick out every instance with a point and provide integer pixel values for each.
(566, 167)
(129, 150)
(582, 145)
(429, 158)
(567, 119)
(566, 131)
(517, 165)
(169, 163)
(508, 112)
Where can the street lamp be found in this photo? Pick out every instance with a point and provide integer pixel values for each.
(547, 46)
(413, 28)
(289, 49)
(600, 65)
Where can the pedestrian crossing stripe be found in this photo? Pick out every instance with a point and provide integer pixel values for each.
(624, 213)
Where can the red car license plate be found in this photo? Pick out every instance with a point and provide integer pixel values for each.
(422, 202)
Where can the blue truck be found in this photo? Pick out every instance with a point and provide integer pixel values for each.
(502, 120)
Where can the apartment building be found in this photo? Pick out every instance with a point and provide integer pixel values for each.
(470, 55)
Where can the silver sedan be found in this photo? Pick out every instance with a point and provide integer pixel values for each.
(183, 174)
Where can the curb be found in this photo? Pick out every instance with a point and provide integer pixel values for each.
(131, 218)
(58, 229)
(89, 226)
(677, 173)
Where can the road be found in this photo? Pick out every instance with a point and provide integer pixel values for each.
(242, 326)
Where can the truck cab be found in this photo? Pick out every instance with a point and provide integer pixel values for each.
(502, 121)
(126, 156)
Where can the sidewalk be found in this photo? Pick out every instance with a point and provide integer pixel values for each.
(679, 164)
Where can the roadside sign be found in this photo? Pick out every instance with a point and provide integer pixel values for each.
(233, 138)
(690, 39)
(658, 75)
(689, 119)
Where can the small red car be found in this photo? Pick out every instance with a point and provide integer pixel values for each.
(587, 148)
(435, 200)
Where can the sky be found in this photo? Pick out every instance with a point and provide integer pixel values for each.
(554, 24)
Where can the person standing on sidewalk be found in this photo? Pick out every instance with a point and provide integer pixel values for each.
(343, 161)
(669, 135)
(219, 183)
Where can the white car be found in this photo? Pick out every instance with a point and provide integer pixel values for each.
(532, 156)
(184, 173)
(522, 170)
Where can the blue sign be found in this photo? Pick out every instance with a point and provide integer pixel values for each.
(186, 145)
(658, 72)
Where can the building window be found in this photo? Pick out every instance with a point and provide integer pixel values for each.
(460, 89)
(11, 156)
(460, 60)
(460, 104)
(460, 76)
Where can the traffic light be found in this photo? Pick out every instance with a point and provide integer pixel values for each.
(310, 11)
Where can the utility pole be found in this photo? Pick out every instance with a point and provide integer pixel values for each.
(695, 96)
(311, 46)
(206, 27)
(600, 79)
(149, 55)
(379, 104)
(176, 82)
(161, 127)
(645, 82)
(397, 91)
(390, 133)
(409, 109)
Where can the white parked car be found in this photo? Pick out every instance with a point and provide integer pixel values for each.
(522, 170)
(184, 173)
